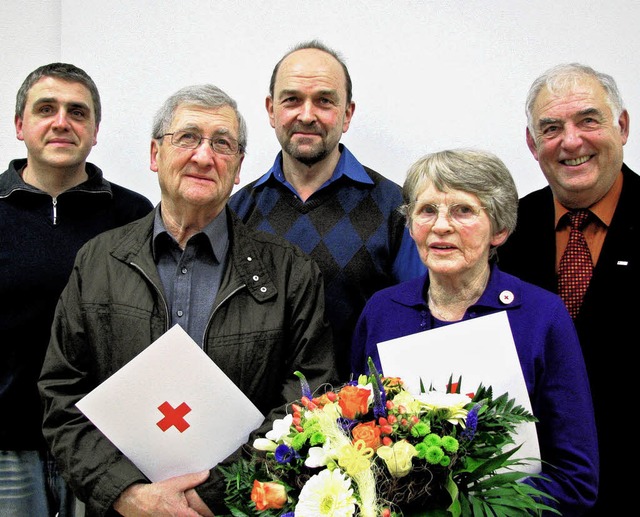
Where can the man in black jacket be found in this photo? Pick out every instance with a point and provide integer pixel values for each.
(51, 203)
(577, 127)
(251, 300)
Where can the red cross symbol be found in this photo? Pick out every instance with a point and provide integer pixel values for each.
(173, 416)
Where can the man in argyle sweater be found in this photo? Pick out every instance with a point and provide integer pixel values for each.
(318, 196)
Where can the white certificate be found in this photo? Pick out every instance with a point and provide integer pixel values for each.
(481, 350)
(171, 410)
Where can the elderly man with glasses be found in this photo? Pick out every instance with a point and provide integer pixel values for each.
(252, 301)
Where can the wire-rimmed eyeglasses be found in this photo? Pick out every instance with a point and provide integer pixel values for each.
(220, 144)
(460, 213)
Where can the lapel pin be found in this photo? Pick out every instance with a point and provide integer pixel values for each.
(506, 297)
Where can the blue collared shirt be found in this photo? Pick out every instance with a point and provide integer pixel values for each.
(347, 166)
(191, 277)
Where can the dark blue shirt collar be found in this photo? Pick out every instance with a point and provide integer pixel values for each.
(216, 232)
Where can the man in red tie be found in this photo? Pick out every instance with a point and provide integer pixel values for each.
(576, 129)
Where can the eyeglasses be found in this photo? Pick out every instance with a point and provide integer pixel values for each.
(459, 213)
(190, 140)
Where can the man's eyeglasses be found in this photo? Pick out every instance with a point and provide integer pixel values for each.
(189, 140)
(460, 213)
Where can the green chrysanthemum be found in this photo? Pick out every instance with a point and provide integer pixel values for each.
(434, 455)
(432, 440)
(450, 444)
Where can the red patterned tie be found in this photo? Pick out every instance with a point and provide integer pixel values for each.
(576, 265)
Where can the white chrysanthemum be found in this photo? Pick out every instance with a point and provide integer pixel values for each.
(329, 494)
(280, 428)
(453, 402)
(438, 399)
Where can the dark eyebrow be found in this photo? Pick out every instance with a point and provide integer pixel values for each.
(53, 100)
(196, 129)
(80, 105)
(321, 93)
(582, 113)
(547, 121)
(591, 111)
(45, 100)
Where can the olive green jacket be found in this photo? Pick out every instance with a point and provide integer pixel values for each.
(267, 322)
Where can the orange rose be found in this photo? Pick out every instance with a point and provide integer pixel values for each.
(353, 401)
(369, 433)
(268, 496)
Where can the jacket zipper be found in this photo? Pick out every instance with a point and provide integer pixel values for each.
(206, 329)
(54, 200)
(166, 307)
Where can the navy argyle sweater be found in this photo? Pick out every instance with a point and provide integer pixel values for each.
(350, 226)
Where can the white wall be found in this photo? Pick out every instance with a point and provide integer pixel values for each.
(427, 75)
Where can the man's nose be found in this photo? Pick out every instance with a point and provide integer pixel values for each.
(572, 137)
(307, 112)
(60, 120)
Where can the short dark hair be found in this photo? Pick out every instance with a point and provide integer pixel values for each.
(318, 45)
(66, 72)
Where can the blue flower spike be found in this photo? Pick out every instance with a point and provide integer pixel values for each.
(379, 395)
(304, 385)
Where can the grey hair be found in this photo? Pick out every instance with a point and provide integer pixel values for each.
(317, 45)
(564, 76)
(473, 171)
(205, 95)
(66, 72)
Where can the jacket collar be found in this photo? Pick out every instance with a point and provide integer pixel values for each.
(245, 261)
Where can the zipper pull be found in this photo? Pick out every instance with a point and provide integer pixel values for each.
(55, 210)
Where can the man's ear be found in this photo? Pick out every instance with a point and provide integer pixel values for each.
(153, 152)
(236, 181)
(623, 122)
(531, 143)
(268, 103)
(18, 123)
(348, 114)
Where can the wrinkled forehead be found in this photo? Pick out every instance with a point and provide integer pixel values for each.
(572, 95)
(205, 119)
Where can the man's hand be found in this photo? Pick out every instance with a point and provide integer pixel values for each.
(170, 498)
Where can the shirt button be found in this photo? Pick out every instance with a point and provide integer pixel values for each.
(263, 289)
(249, 259)
(179, 313)
(184, 270)
(256, 278)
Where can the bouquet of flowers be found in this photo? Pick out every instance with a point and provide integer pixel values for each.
(373, 449)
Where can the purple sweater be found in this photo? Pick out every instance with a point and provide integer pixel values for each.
(551, 360)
